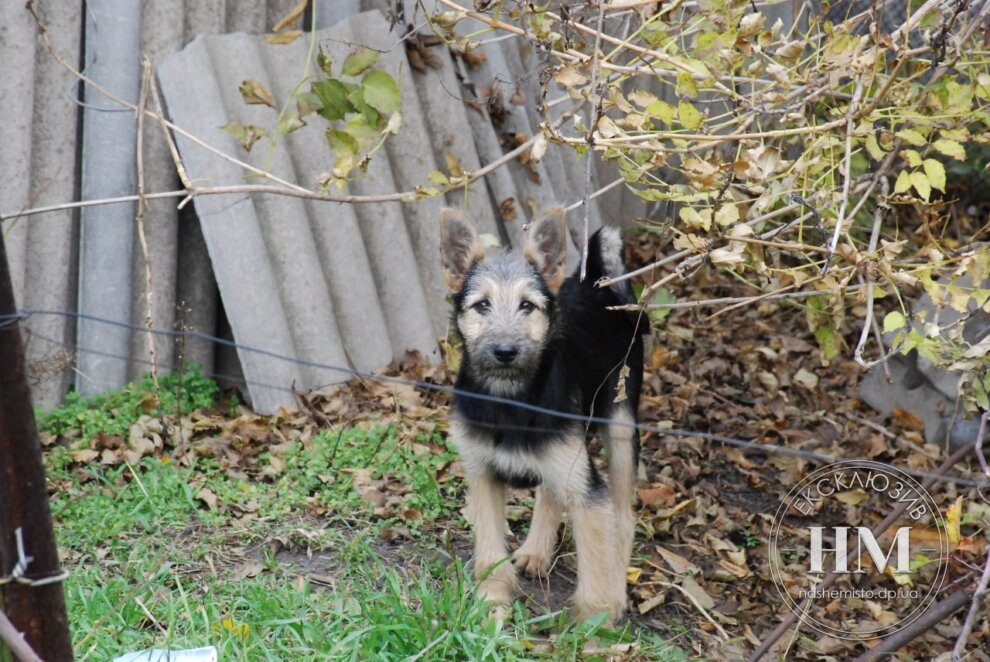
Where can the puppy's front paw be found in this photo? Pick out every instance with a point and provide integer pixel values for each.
(610, 601)
(534, 563)
(496, 591)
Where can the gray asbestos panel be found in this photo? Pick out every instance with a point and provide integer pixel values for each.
(331, 12)
(161, 35)
(282, 219)
(17, 36)
(330, 284)
(411, 158)
(393, 261)
(232, 229)
(50, 283)
(335, 227)
(106, 240)
(453, 131)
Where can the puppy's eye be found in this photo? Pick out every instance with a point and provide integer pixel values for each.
(483, 306)
(527, 306)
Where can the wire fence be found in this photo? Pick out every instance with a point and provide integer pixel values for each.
(8, 322)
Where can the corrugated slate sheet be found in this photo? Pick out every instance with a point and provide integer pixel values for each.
(325, 283)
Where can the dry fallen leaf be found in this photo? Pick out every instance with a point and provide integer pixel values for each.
(678, 563)
(207, 496)
(291, 17)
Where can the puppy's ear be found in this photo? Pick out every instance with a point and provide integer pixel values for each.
(545, 246)
(460, 247)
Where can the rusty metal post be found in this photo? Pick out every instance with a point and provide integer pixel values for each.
(38, 611)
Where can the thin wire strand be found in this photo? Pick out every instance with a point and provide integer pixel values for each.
(7, 320)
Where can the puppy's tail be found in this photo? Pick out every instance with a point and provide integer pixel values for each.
(605, 261)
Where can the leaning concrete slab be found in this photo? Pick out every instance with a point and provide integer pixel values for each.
(390, 250)
(331, 12)
(329, 285)
(455, 132)
(922, 388)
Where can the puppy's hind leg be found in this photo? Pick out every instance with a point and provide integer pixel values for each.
(571, 478)
(536, 552)
(622, 446)
(491, 563)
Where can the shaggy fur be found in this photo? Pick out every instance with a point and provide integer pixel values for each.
(532, 337)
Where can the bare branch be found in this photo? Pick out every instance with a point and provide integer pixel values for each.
(850, 117)
(596, 102)
(868, 320)
(15, 641)
(974, 607)
(929, 619)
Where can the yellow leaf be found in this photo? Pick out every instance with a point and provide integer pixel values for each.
(901, 579)
(873, 147)
(727, 214)
(454, 166)
(893, 321)
(936, 173)
(919, 181)
(950, 148)
(853, 497)
(693, 219)
(952, 520)
(911, 136)
(661, 110)
(633, 574)
(912, 157)
(903, 182)
(686, 86)
(254, 92)
(689, 115)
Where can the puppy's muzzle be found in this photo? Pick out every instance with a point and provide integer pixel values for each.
(505, 353)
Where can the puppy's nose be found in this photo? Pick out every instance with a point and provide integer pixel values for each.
(505, 353)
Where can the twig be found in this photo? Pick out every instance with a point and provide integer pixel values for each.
(978, 446)
(931, 617)
(596, 103)
(619, 141)
(193, 190)
(788, 622)
(698, 606)
(142, 204)
(15, 641)
(602, 191)
(850, 117)
(868, 320)
(782, 293)
(974, 608)
(684, 253)
(430, 646)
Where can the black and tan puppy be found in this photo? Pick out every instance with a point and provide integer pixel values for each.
(534, 339)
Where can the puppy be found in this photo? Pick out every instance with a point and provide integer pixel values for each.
(534, 346)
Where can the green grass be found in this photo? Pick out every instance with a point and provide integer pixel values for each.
(152, 566)
(113, 412)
